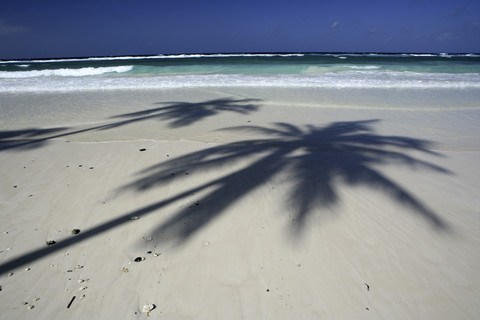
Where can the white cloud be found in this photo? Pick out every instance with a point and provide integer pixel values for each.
(454, 13)
(465, 31)
(445, 36)
(335, 25)
(7, 28)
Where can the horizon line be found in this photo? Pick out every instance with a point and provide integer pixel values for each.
(206, 54)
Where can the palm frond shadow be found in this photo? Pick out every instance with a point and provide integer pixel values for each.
(177, 113)
(318, 157)
(20, 138)
(180, 114)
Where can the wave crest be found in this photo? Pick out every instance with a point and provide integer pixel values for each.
(65, 72)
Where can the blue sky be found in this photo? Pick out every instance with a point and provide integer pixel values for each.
(41, 29)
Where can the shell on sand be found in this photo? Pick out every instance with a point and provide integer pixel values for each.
(148, 307)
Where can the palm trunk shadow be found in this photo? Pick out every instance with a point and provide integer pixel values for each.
(227, 190)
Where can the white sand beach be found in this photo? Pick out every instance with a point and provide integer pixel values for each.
(240, 204)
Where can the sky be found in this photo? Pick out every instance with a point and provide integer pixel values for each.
(53, 29)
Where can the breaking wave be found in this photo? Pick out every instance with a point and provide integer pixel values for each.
(64, 72)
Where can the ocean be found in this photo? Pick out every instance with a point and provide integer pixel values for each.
(304, 70)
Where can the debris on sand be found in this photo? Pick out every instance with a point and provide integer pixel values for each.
(70, 303)
(147, 308)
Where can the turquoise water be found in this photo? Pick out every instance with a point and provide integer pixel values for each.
(267, 70)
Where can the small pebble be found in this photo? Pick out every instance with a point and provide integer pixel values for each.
(10, 274)
(82, 288)
(27, 269)
(134, 218)
(82, 296)
(36, 299)
(138, 259)
(124, 270)
(50, 242)
(30, 307)
(156, 254)
(143, 149)
(75, 231)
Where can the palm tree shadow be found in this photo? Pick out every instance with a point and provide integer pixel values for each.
(182, 114)
(178, 113)
(318, 157)
(21, 139)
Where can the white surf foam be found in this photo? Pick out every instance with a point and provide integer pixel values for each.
(364, 67)
(351, 79)
(80, 72)
(230, 55)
